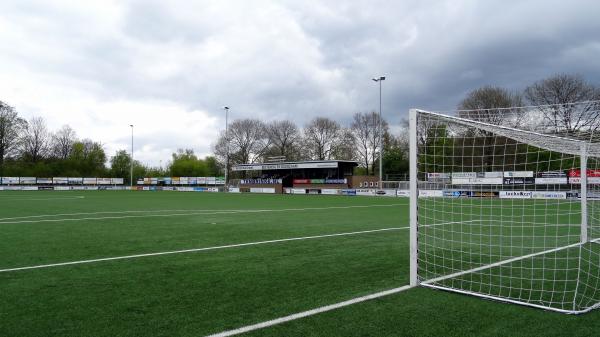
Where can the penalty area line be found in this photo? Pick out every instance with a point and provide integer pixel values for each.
(307, 313)
(193, 250)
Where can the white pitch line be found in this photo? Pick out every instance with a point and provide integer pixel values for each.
(503, 262)
(307, 313)
(113, 212)
(198, 213)
(198, 249)
(45, 199)
(155, 211)
(212, 248)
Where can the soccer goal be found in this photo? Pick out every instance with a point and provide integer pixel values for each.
(505, 204)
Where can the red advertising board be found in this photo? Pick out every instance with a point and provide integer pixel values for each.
(301, 181)
(590, 173)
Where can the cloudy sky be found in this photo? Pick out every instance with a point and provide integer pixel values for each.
(170, 66)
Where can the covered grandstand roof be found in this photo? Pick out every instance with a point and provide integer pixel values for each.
(289, 165)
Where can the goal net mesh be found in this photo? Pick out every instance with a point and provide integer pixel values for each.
(500, 211)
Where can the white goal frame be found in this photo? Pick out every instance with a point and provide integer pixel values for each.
(415, 280)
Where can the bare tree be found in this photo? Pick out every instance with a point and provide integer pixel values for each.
(248, 142)
(493, 105)
(346, 147)
(35, 140)
(424, 127)
(11, 126)
(322, 136)
(284, 137)
(62, 142)
(554, 95)
(365, 131)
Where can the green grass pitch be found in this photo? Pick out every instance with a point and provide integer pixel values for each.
(204, 292)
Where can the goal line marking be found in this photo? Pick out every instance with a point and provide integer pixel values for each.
(432, 282)
(307, 313)
(500, 263)
(197, 212)
(198, 249)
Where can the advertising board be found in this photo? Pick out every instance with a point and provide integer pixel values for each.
(262, 190)
(452, 194)
(430, 193)
(27, 180)
(478, 181)
(438, 176)
(518, 174)
(10, 180)
(385, 193)
(551, 177)
(515, 194)
(593, 177)
(365, 192)
(90, 181)
(551, 181)
(301, 181)
(336, 181)
(117, 181)
(103, 181)
(519, 181)
(548, 195)
(75, 180)
(348, 192)
(403, 193)
(60, 181)
(464, 175)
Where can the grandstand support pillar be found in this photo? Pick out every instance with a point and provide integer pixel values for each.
(584, 180)
(413, 196)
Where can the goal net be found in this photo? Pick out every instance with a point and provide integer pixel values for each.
(505, 204)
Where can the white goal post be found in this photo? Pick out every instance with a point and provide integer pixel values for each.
(505, 204)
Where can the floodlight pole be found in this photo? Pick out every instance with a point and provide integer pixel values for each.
(226, 146)
(131, 163)
(381, 78)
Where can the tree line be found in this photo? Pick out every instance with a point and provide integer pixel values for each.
(545, 106)
(29, 148)
(251, 140)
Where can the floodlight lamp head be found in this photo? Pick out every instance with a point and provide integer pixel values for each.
(226, 107)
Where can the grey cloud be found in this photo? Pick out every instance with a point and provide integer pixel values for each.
(298, 60)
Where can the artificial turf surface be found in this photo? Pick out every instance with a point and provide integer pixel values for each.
(199, 293)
